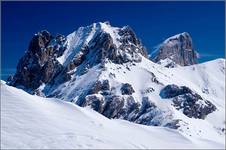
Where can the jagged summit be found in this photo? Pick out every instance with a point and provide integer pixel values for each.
(176, 50)
(52, 57)
(117, 44)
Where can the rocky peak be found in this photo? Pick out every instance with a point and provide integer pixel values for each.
(52, 59)
(176, 50)
(98, 42)
(39, 63)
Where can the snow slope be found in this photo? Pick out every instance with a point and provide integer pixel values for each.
(29, 121)
(207, 79)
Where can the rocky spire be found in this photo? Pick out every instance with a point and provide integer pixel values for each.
(176, 50)
(39, 63)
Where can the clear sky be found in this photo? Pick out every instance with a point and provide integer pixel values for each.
(152, 22)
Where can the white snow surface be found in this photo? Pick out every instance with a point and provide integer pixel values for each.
(207, 79)
(29, 121)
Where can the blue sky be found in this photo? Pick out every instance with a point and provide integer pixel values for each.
(152, 22)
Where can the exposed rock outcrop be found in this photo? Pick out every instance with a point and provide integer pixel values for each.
(39, 64)
(126, 48)
(116, 106)
(176, 50)
(173, 90)
(127, 89)
(191, 103)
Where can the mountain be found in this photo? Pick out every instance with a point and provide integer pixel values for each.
(33, 122)
(107, 69)
(49, 56)
(176, 50)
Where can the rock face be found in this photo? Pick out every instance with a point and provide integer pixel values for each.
(127, 89)
(125, 48)
(191, 103)
(176, 50)
(115, 106)
(39, 64)
(173, 90)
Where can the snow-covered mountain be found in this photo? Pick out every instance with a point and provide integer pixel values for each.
(33, 122)
(107, 69)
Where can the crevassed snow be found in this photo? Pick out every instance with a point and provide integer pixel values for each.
(29, 121)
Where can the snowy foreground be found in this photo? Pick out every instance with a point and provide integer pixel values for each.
(29, 121)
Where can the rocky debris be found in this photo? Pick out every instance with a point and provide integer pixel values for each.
(191, 103)
(127, 89)
(176, 50)
(39, 64)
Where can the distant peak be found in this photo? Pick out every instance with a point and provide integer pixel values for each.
(178, 48)
(180, 36)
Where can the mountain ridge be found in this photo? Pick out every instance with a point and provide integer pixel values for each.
(107, 68)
